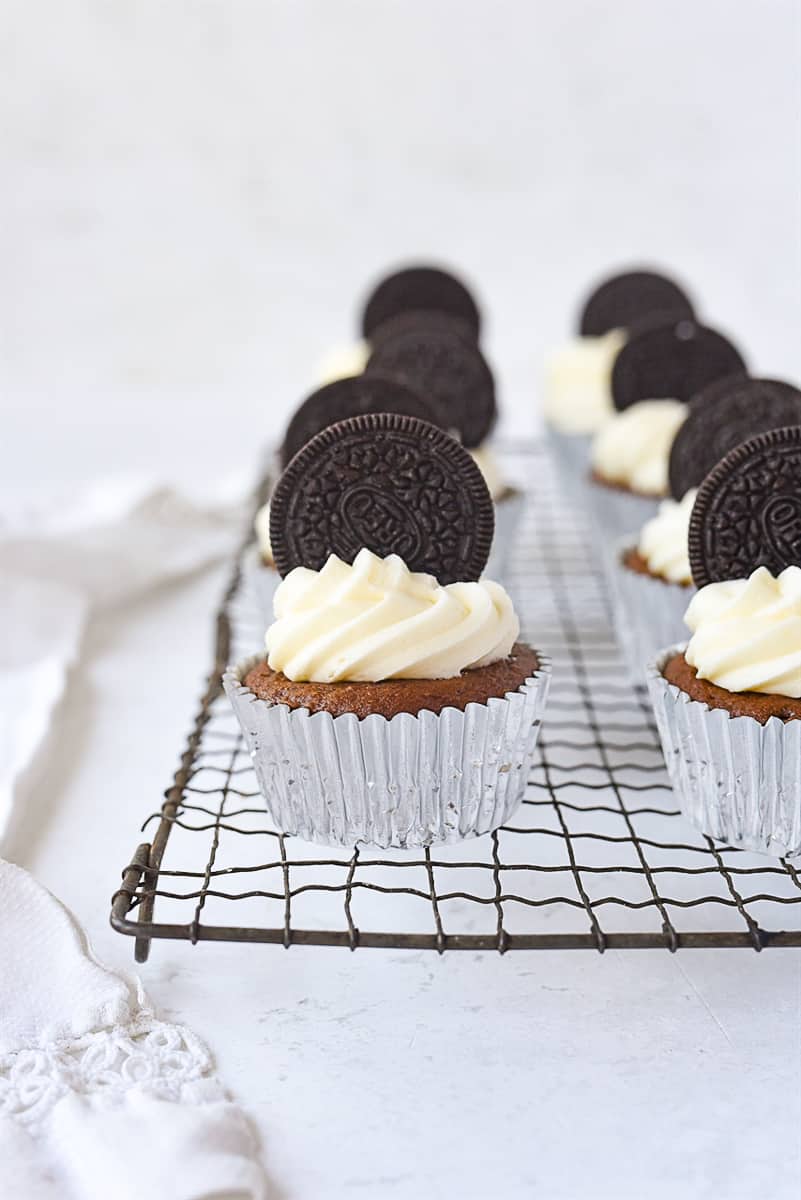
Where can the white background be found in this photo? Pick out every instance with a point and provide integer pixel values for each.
(194, 196)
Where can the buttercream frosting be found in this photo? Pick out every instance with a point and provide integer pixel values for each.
(376, 620)
(487, 464)
(262, 528)
(746, 633)
(344, 362)
(633, 448)
(577, 396)
(663, 540)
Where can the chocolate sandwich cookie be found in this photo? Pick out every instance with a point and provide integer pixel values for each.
(353, 397)
(423, 318)
(392, 483)
(722, 415)
(748, 510)
(624, 300)
(419, 288)
(440, 364)
(671, 362)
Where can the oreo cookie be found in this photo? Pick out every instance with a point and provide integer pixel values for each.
(419, 289)
(624, 300)
(748, 510)
(423, 318)
(439, 364)
(723, 415)
(391, 483)
(671, 362)
(351, 398)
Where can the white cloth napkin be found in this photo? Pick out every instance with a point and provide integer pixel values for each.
(99, 1098)
(70, 556)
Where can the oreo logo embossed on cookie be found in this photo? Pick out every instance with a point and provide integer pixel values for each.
(439, 364)
(748, 510)
(624, 300)
(723, 415)
(419, 288)
(392, 483)
(671, 362)
(351, 398)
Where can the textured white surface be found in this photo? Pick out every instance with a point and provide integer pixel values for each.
(199, 192)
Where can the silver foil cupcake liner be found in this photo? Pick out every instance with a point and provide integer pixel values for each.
(508, 511)
(647, 613)
(737, 781)
(260, 581)
(571, 453)
(408, 781)
(614, 512)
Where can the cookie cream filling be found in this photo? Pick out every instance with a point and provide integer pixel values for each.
(376, 620)
(262, 528)
(487, 464)
(577, 396)
(746, 633)
(344, 362)
(633, 448)
(663, 540)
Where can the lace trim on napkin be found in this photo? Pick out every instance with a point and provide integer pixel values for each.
(163, 1061)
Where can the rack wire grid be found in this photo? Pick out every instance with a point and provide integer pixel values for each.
(597, 855)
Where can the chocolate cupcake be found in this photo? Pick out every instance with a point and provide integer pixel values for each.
(650, 583)
(728, 704)
(396, 705)
(659, 370)
(577, 388)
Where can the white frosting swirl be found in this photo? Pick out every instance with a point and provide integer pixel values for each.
(487, 464)
(378, 620)
(262, 528)
(663, 540)
(747, 633)
(577, 397)
(633, 447)
(343, 362)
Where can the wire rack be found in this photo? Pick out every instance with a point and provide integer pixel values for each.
(597, 856)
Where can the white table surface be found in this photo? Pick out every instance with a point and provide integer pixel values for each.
(201, 191)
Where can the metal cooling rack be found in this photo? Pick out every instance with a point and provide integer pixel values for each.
(597, 856)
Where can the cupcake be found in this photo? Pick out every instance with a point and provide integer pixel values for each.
(395, 705)
(655, 375)
(650, 583)
(577, 393)
(728, 703)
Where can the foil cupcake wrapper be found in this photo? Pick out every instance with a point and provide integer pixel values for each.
(647, 613)
(737, 781)
(408, 781)
(614, 512)
(508, 511)
(261, 582)
(571, 453)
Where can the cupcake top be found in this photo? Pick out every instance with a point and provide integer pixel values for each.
(633, 448)
(577, 396)
(663, 540)
(375, 619)
(381, 526)
(746, 633)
